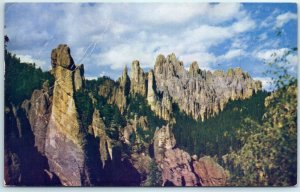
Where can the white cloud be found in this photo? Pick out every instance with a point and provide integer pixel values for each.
(274, 56)
(269, 21)
(175, 13)
(115, 34)
(243, 25)
(270, 55)
(267, 83)
(170, 13)
(225, 11)
(30, 59)
(91, 77)
(233, 53)
(205, 60)
(124, 54)
(284, 18)
(262, 37)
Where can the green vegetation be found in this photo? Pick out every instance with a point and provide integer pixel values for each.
(154, 178)
(138, 106)
(84, 107)
(111, 115)
(21, 79)
(269, 154)
(217, 135)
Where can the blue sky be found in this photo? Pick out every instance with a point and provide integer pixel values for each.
(106, 37)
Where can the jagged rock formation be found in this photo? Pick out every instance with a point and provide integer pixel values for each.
(163, 140)
(181, 170)
(161, 107)
(61, 56)
(131, 128)
(138, 79)
(38, 110)
(117, 94)
(123, 90)
(201, 93)
(97, 129)
(23, 159)
(63, 147)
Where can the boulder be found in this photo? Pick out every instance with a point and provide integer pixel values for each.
(209, 172)
(176, 168)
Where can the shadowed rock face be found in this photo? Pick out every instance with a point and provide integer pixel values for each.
(105, 143)
(38, 110)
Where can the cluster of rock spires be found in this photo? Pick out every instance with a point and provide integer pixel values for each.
(197, 92)
(59, 135)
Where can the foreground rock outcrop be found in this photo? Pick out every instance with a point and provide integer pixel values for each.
(163, 140)
(209, 172)
(179, 168)
(63, 145)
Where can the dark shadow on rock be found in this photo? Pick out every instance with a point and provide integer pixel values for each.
(169, 184)
(32, 163)
(93, 162)
(120, 172)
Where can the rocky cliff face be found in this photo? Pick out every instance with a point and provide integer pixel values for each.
(138, 79)
(38, 111)
(97, 129)
(162, 107)
(163, 140)
(201, 93)
(63, 145)
(179, 168)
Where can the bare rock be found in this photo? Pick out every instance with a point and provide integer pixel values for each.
(38, 110)
(209, 172)
(105, 144)
(78, 77)
(176, 168)
(61, 56)
(138, 79)
(194, 69)
(162, 107)
(200, 93)
(63, 145)
(163, 140)
(141, 162)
